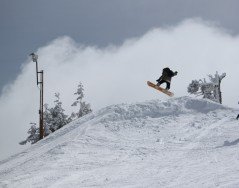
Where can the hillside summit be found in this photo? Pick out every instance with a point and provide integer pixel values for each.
(181, 142)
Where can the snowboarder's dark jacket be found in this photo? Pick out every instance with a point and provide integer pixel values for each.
(167, 75)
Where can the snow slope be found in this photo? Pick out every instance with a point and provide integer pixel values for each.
(181, 142)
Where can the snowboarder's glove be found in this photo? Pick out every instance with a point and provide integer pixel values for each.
(176, 72)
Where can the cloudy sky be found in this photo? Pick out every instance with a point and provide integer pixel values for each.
(112, 47)
(26, 25)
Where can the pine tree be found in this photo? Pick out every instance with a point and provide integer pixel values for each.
(84, 107)
(55, 118)
(34, 135)
(193, 87)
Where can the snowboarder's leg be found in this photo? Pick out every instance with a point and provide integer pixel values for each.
(237, 116)
(168, 85)
(160, 82)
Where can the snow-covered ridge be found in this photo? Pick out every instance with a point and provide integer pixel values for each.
(180, 142)
(157, 108)
(153, 109)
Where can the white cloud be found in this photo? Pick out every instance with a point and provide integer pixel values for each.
(118, 74)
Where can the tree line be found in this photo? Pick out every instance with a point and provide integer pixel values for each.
(55, 117)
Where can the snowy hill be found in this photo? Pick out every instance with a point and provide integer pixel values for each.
(181, 142)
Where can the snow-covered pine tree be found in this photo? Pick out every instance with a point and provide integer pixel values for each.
(84, 107)
(34, 135)
(210, 90)
(55, 118)
(193, 87)
(47, 119)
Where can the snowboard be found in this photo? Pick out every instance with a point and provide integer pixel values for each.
(169, 93)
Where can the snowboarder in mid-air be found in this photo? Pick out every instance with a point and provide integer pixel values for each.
(166, 77)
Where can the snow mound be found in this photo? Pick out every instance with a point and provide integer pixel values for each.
(157, 108)
(181, 142)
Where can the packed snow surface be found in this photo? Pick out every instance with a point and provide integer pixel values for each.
(181, 142)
